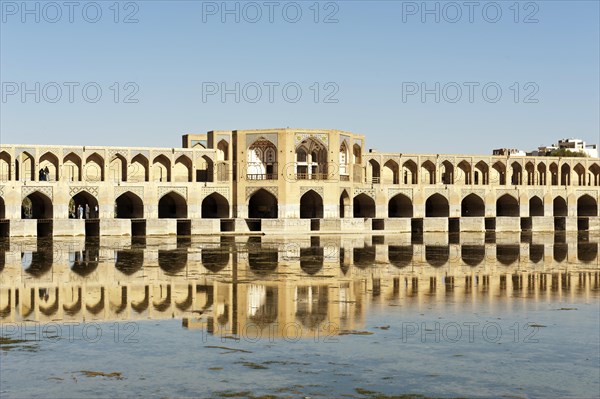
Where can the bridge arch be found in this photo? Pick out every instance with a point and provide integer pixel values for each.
(507, 205)
(172, 206)
(83, 198)
(364, 206)
(36, 206)
(311, 205)
(587, 206)
(400, 206)
(215, 206)
(536, 206)
(560, 206)
(263, 205)
(437, 206)
(129, 206)
(344, 204)
(472, 206)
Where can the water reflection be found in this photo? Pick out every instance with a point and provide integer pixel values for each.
(235, 282)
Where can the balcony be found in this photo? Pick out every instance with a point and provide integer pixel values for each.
(344, 178)
(261, 176)
(312, 176)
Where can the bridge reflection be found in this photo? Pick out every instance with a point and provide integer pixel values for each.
(226, 284)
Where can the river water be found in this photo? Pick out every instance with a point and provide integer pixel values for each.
(294, 317)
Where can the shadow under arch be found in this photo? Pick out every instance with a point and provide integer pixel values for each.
(53, 307)
(99, 306)
(437, 206)
(129, 261)
(215, 206)
(83, 263)
(311, 205)
(36, 206)
(400, 206)
(172, 206)
(216, 259)
(187, 302)
(141, 306)
(472, 255)
(82, 198)
(364, 206)
(437, 255)
(263, 205)
(507, 254)
(74, 308)
(400, 255)
(536, 252)
(472, 206)
(560, 251)
(129, 206)
(172, 261)
(37, 263)
(165, 303)
(364, 257)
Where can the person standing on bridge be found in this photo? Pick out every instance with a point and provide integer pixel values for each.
(87, 211)
(80, 212)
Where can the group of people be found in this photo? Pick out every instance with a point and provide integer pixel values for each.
(84, 212)
(44, 174)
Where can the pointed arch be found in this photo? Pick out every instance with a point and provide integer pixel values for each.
(565, 175)
(215, 206)
(161, 169)
(587, 206)
(560, 207)
(357, 154)
(117, 169)
(129, 206)
(595, 175)
(25, 167)
(437, 206)
(482, 173)
(530, 170)
(580, 172)
(87, 202)
(447, 172)
(516, 178)
(499, 173)
(344, 204)
(311, 159)
(205, 169)
(48, 165)
(429, 175)
(263, 205)
(71, 168)
(364, 206)
(36, 206)
(542, 173)
(374, 171)
(343, 160)
(222, 150)
(261, 160)
(139, 169)
(400, 206)
(465, 168)
(94, 168)
(182, 170)
(472, 206)
(536, 206)
(311, 205)
(390, 172)
(507, 205)
(172, 205)
(5, 166)
(410, 172)
(553, 168)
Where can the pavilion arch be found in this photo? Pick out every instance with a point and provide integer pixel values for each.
(428, 173)
(447, 172)
(263, 205)
(472, 206)
(410, 172)
(215, 206)
(222, 150)
(311, 205)
(507, 205)
(499, 173)
(172, 206)
(71, 167)
(560, 207)
(205, 169)
(94, 168)
(2, 208)
(541, 173)
(465, 169)
(536, 206)
(530, 171)
(182, 170)
(117, 168)
(36, 206)
(374, 171)
(83, 198)
(587, 206)
(357, 154)
(390, 172)
(481, 176)
(344, 158)
(129, 206)
(516, 178)
(139, 169)
(565, 175)
(595, 175)
(344, 204)
(364, 206)
(553, 174)
(50, 161)
(261, 160)
(311, 158)
(580, 171)
(161, 169)
(437, 206)
(5, 166)
(400, 206)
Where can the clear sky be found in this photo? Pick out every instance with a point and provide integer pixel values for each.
(361, 66)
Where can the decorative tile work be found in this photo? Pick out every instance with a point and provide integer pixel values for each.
(163, 190)
(93, 190)
(137, 190)
(368, 191)
(251, 190)
(322, 137)
(46, 190)
(405, 191)
(251, 138)
(304, 190)
(224, 191)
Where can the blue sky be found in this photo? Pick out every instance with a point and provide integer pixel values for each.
(364, 66)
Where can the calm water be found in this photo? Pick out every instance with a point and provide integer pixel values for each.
(294, 317)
